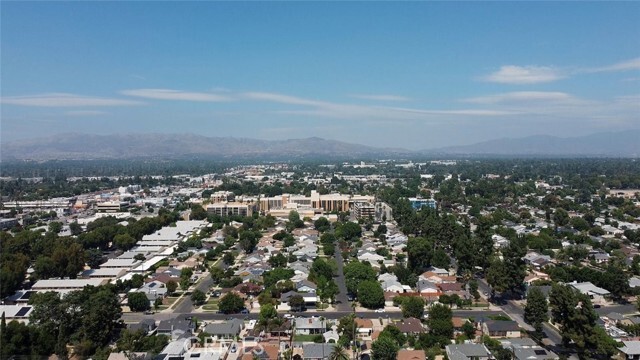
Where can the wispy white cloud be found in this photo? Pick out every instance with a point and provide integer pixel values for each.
(65, 100)
(350, 111)
(532, 74)
(380, 97)
(523, 96)
(468, 112)
(633, 64)
(85, 113)
(283, 99)
(170, 94)
(512, 74)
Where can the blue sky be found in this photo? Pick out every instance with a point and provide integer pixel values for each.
(410, 74)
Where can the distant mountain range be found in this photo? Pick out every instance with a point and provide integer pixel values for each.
(130, 146)
(623, 144)
(118, 146)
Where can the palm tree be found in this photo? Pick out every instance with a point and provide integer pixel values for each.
(338, 353)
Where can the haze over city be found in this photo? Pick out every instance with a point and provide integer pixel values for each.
(412, 75)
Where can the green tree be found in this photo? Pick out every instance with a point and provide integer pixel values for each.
(55, 227)
(473, 289)
(347, 328)
(228, 258)
(198, 297)
(322, 224)
(384, 348)
(413, 306)
(574, 314)
(441, 259)
(535, 312)
(356, 272)
(296, 302)
(138, 301)
(231, 303)
(75, 228)
(267, 313)
(124, 241)
(419, 251)
(440, 321)
(320, 268)
(172, 286)
(197, 212)
(338, 353)
(370, 294)
(392, 331)
(348, 231)
(94, 258)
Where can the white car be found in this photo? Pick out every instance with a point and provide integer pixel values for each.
(380, 310)
(288, 316)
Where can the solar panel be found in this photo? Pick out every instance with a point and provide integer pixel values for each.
(540, 352)
(23, 311)
(27, 295)
(152, 285)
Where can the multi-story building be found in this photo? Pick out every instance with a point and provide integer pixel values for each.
(230, 208)
(326, 203)
(363, 210)
(222, 196)
(418, 203)
(112, 206)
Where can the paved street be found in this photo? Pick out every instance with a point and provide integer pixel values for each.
(186, 305)
(135, 317)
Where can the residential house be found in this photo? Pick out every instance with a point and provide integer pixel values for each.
(262, 351)
(634, 282)
(427, 287)
(392, 286)
(310, 299)
(249, 288)
(365, 328)
(468, 352)
(437, 278)
(501, 329)
(411, 326)
(309, 326)
(370, 256)
(146, 325)
(405, 354)
(630, 350)
(225, 330)
(153, 290)
(600, 257)
(597, 294)
(306, 286)
(438, 271)
(316, 351)
(177, 327)
(527, 349)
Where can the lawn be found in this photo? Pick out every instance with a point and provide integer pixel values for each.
(210, 305)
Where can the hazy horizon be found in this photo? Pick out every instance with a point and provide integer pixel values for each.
(411, 75)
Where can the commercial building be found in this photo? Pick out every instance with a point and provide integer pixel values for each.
(364, 210)
(112, 206)
(418, 203)
(325, 203)
(230, 208)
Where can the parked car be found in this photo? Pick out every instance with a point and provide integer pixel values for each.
(380, 310)
(244, 311)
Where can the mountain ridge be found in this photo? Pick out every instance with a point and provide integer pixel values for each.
(81, 146)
